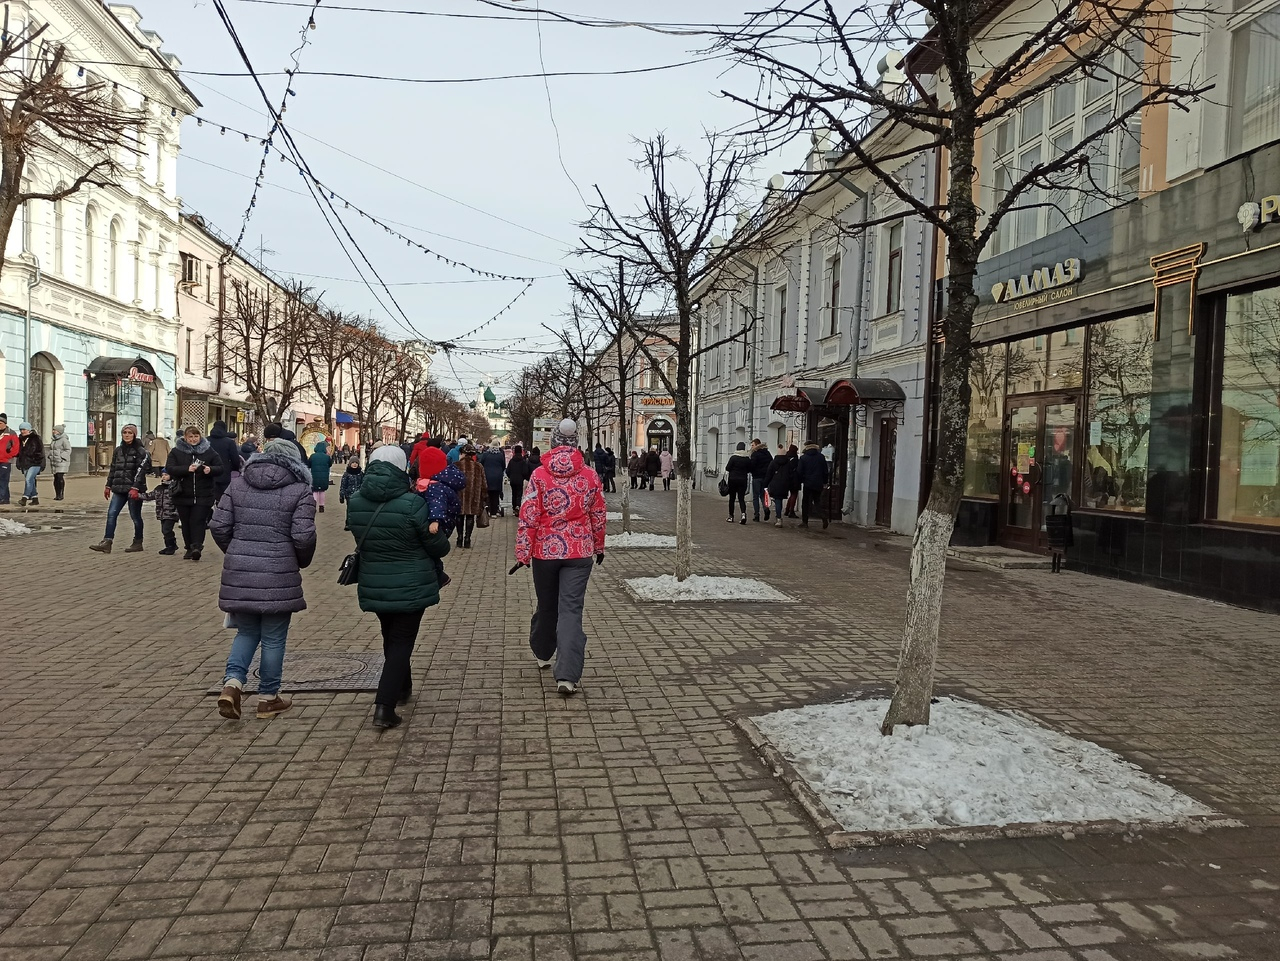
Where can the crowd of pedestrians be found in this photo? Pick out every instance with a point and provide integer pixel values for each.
(777, 482)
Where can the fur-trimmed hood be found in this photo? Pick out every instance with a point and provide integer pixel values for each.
(269, 469)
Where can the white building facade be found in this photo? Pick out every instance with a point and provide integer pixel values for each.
(99, 269)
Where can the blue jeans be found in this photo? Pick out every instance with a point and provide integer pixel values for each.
(30, 489)
(269, 631)
(113, 511)
(757, 497)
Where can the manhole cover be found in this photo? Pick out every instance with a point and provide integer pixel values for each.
(321, 671)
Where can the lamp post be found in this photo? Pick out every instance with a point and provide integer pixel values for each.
(32, 282)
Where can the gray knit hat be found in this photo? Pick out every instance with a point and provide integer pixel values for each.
(565, 434)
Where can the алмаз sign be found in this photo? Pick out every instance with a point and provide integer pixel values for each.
(1044, 284)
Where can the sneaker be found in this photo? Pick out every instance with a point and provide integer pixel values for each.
(274, 706)
(566, 688)
(543, 665)
(730, 518)
(229, 702)
(778, 522)
(744, 519)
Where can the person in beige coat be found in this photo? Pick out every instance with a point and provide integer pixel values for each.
(159, 449)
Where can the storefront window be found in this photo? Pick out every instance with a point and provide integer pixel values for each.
(986, 415)
(1028, 365)
(1066, 358)
(1249, 456)
(1119, 418)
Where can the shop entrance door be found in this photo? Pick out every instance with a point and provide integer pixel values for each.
(1040, 459)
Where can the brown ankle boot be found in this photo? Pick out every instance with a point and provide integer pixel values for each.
(229, 702)
(104, 547)
(134, 548)
(273, 706)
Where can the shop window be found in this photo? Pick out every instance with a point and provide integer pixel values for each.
(1249, 452)
(1255, 116)
(987, 369)
(1119, 414)
(1066, 359)
(1028, 365)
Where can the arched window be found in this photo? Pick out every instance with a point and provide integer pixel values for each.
(113, 264)
(90, 247)
(58, 233)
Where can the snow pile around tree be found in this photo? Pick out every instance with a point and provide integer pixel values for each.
(702, 588)
(617, 516)
(972, 766)
(10, 528)
(625, 541)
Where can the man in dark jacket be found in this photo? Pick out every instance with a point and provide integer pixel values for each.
(760, 461)
(653, 467)
(814, 472)
(227, 448)
(777, 480)
(276, 429)
(610, 471)
(494, 463)
(518, 472)
(126, 483)
(739, 475)
(30, 462)
(196, 467)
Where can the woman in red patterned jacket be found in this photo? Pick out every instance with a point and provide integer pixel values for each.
(562, 523)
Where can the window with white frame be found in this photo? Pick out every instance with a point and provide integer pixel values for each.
(780, 318)
(59, 234)
(831, 281)
(90, 248)
(208, 355)
(113, 255)
(208, 283)
(744, 324)
(188, 351)
(713, 356)
(1075, 110)
(1255, 82)
(893, 268)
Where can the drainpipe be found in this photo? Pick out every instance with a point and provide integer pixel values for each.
(32, 282)
(855, 353)
(928, 449)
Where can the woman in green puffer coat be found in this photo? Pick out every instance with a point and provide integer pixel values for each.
(397, 573)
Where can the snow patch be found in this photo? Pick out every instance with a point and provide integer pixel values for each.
(972, 766)
(699, 587)
(617, 516)
(10, 528)
(624, 541)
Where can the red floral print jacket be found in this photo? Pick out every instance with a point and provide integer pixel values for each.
(562, 515)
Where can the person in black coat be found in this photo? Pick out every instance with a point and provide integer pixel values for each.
(518, 472)
(814, 472)
(652, 467)
(229, 452)
(777, 480)
(195, 468)
(610, 471)
(739, 476)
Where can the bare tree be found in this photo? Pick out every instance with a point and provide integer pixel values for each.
(266, 334)
(332, 339)
(374, 367)
(971, 75)
(674, 243)
(606, 349)
(404, 392)
(42, 108)
(530, 398)
(442, 414)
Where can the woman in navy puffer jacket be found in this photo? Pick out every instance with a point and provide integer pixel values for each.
(266, 526)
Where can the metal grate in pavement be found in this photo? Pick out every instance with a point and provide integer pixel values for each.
(323, 671)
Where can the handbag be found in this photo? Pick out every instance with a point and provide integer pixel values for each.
(724, 487)
(482, 519)
(349, 569)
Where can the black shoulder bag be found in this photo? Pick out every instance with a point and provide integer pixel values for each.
(349, 569)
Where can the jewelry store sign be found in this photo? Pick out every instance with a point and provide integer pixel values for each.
(1043, 285)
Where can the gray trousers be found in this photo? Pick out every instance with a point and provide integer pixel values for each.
(556, 628)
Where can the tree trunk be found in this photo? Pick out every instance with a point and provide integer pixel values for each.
(684, 525)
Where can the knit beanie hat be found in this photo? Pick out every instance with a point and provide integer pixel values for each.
(565, 434)
(392, 455)
(431, 462)
(273, 430)
(25, 426)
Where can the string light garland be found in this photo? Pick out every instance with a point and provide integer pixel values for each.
(268, 142)
(449, 345)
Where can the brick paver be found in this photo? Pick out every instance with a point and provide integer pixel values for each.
(632, 822)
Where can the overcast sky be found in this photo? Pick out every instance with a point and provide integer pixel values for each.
(472, 170)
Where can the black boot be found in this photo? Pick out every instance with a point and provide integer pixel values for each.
(384, 716)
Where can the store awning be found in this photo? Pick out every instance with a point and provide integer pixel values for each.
(120, 367)
(864, 390)
(797, 403)
(345, 418)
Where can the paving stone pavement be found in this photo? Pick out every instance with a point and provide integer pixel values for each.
(631, 823)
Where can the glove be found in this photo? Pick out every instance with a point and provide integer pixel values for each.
(134, 495)
(599, 559)
(518, 565)
(106, 493)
